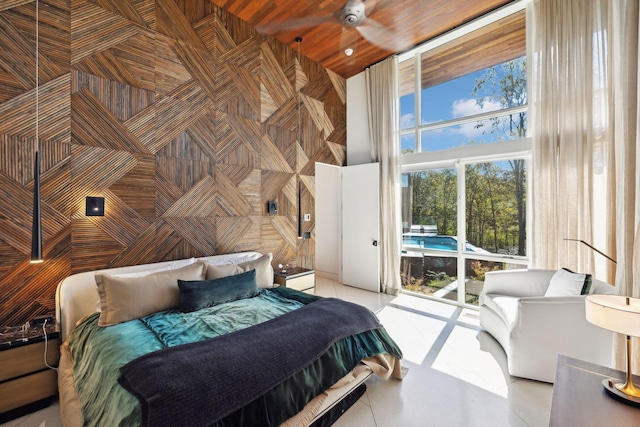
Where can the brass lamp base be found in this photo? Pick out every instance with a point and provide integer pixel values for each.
(614, 391)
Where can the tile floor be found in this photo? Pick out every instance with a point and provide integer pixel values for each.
(457, 372)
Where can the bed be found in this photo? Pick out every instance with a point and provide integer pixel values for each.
(225, 347)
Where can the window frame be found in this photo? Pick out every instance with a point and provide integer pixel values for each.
(459, 157)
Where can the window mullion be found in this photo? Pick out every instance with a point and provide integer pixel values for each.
(462, 234)
(418, 103)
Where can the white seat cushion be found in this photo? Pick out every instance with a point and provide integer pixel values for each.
(504, 306)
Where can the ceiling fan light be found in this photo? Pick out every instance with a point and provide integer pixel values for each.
(348, 51)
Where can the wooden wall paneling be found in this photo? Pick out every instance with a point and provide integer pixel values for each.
(249, 184)
(177, 112)
(199, 233)
(131, 62)
(171, 245)
(94, 29)
(16, 203)
(202, 134)
(183, 174)
(146, 9)
(172, 22)
(143, 250)
(170, 73)
(29, 289)
(237, 234)
(92, 247)
(279, 186)
(94, 125)
(120, 221)
(280, 237)
(272, 158)
(200, 64)
(18, 118)
(137, 187)
(234, 141)
(96, 169)
(230, 200)
(238, 30)
(10, 4)
(182, 116)
(195, 202)
(337, 154)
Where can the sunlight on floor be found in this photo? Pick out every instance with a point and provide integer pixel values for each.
(451, 335)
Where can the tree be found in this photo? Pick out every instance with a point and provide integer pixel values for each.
(506, 83)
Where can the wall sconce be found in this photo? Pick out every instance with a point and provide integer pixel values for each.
(95, 206)
(272, 207)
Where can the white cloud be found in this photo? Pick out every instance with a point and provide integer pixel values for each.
(468, 107)
(407, 120)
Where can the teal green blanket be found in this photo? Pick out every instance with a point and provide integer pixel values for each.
(98, 353)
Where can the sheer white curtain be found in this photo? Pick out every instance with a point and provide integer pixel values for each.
(382, 98)
(586, 168)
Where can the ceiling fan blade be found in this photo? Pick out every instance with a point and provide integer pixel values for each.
(371, 5)
(293, 24)
(381, 36)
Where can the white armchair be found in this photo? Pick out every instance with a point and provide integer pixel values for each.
(533, 329)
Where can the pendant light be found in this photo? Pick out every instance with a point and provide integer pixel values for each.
(299, 40)
(36, 230)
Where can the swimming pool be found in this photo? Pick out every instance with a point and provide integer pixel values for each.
(443, 243)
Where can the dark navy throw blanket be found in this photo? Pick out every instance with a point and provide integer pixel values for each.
(199, 383)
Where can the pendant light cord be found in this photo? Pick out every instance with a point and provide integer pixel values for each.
(37, 77)
(299, 40)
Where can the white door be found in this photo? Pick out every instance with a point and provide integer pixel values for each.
(360, 226)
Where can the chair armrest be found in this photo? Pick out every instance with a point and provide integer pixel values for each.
(517, 283)
(548, 326)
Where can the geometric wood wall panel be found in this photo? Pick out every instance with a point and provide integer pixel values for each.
(183, 117)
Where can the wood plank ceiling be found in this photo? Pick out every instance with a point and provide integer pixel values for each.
(411, 22)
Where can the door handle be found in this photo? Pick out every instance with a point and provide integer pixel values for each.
(375, 243)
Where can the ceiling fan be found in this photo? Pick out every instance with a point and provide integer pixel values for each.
(354, 15)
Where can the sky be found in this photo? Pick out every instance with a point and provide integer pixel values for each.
(449, 100)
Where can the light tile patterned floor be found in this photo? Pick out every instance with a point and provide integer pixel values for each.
(457, 372)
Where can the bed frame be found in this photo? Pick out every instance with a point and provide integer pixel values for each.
(77, 297)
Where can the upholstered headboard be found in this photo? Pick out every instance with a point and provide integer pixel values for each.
(77, 295)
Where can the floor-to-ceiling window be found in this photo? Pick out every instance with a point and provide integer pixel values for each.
(465, 156)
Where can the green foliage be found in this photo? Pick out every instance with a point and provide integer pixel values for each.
(480, 269)
(495, 201)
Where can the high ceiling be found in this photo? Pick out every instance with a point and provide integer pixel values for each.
(409, 22)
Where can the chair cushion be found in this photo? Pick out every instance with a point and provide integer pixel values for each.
(504, 306)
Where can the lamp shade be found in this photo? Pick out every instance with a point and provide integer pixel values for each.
(614, 312)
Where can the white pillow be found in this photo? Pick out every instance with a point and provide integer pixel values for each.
(264, 270)
(217, 271)
(123, 299)
(567, 283)
(262, 266)
(173, 266)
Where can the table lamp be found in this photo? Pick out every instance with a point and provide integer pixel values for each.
(619, 314)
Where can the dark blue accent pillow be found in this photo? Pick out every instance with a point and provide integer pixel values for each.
(197, 294)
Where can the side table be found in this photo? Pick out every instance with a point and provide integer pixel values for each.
(26, 383)
(580, 400)
(298, 278)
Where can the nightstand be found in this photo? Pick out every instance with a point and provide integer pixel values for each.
(580, 400)
(298, 278)
(26, 383)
